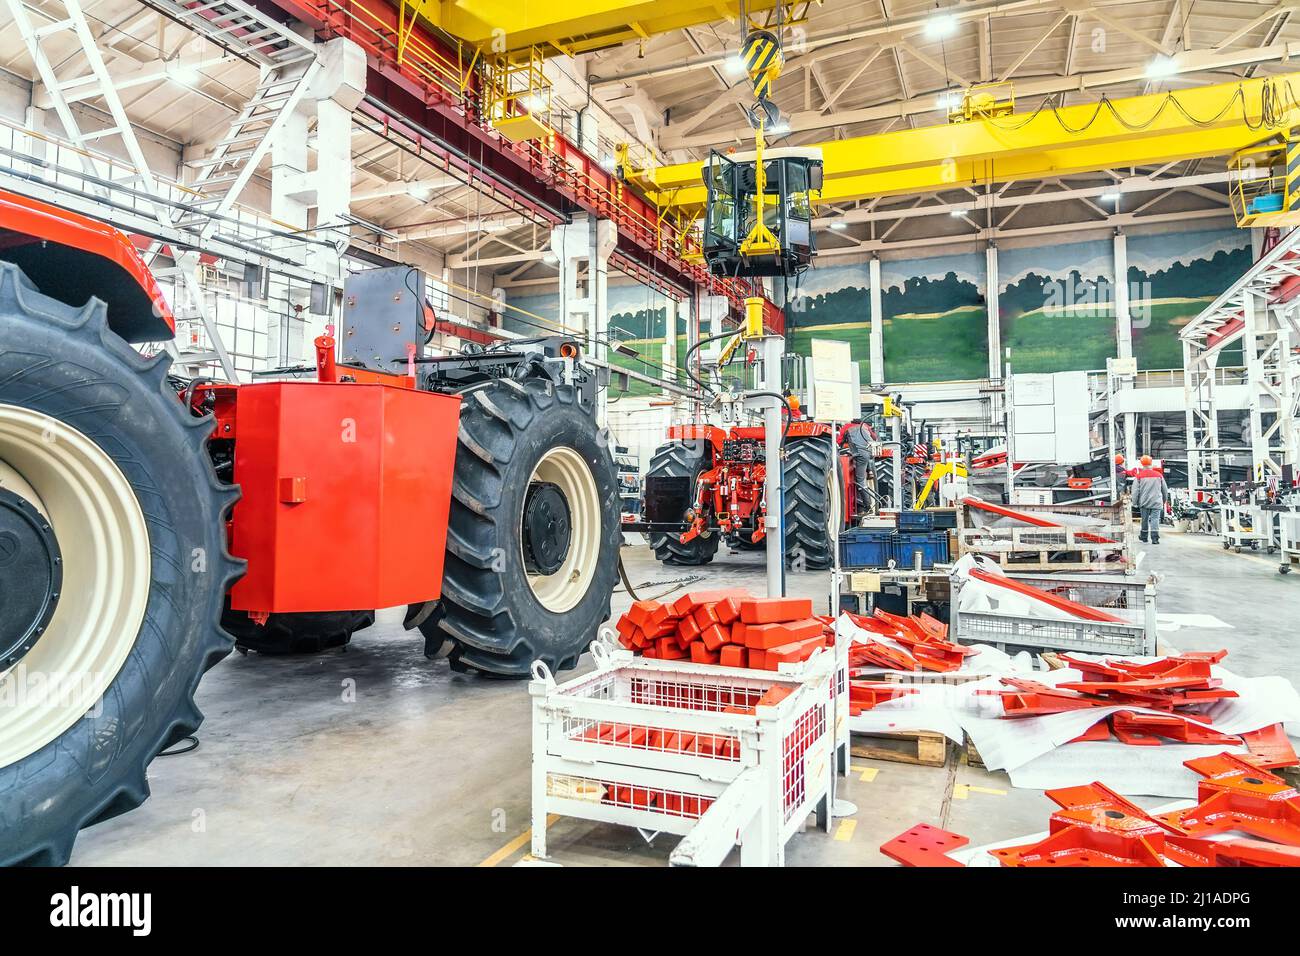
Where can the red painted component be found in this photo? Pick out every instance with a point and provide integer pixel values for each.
(1082, 611)
(1094, 827)
(1145, 729)
(924, 845)
(1032, 699)
(1270, 747)
(328, 370)
(1029, 518)
(710, 433)
(866, 694)
(150, 319)
(1237, 795)
(370, 489)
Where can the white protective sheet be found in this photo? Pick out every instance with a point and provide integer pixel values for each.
(1036, 752)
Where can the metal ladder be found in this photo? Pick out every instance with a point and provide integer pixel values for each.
(95, 82)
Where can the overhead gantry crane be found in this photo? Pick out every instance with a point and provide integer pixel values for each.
(982, 145)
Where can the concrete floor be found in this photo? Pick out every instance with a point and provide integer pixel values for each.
(377, 756)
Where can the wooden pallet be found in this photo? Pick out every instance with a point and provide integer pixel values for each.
(1013, 562)
(919, 747)
(973, 758)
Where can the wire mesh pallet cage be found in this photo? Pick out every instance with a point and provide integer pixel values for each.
(722, 756)
(1104, 547)
(1121, 595)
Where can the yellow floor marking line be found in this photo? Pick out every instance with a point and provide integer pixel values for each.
(961, 791)
(869, 774)
(509, 849)
(844, 832)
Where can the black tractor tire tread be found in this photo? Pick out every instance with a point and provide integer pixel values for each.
(305, 633)
(807, 540)
(66, 362)
(679, 460)
(495, 624)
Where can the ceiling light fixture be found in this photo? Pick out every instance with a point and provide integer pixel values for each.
(940, 25)
(1162, 66)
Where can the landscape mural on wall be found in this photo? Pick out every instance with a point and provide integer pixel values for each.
(1056, 306)
(1056, 302)
(1172, 278)
(637, 318)
(933, 311)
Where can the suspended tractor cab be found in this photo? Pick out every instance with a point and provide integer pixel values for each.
(1262, 191)
(758, 221)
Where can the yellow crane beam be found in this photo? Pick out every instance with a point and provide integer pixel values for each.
(574, 26)
(1141, 130)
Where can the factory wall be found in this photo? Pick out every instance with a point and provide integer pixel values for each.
(1057, 305)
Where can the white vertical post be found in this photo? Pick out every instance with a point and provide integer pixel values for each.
(877, 327)
(1124, 331)
(668, 354)
(773, 346)
(991, 287)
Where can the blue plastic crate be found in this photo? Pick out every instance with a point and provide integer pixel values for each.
(866, 548)
(909, 520)
(933, 546)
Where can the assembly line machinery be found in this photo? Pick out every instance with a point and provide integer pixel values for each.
(475, 489)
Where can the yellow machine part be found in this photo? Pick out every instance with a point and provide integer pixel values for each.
(1141, 130)
(937, 474)
(572, 27)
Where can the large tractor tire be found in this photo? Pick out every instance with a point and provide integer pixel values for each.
(534, 532)
(306, 633)
(813, 501)
(682, 460)
(112, 517)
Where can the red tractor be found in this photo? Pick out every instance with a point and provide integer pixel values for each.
(147, 523)
(706, 485)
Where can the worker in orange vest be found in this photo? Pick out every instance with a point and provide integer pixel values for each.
(1149, 493)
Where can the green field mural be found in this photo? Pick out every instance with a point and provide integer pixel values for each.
(1057, 307)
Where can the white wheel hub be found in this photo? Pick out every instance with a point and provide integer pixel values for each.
(106, 575)
(562, 590)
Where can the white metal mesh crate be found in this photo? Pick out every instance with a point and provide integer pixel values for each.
(1121, 595)
(1104, 547)
(692, 749)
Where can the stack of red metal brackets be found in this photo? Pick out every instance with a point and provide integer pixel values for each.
(915, 643)
(1176, 686)
(1095, 826)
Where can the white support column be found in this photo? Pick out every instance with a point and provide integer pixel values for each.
(991, 287)
(583, 296)
(668, 354)
(1124, 332)
(877, 327)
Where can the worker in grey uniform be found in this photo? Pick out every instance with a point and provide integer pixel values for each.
(1149, 493)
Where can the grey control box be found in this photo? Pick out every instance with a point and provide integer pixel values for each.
(383, 314)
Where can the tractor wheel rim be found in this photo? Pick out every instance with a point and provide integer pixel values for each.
(834, 509)
(571, 475)
(106, 572)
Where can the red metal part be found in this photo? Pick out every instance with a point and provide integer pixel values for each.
(1031, 519)
(1237, 795)
(1094, 827)
(1190, 851)
(1081, 611)
(866, 694)
(138, 312)
(926, 846)
(1136, 728)
(1032, 699)
(328, 370)
(346, 493)
(1270, 747)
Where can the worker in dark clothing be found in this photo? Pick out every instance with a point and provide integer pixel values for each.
(856, 438)
(1121, 476)
(1149, 493)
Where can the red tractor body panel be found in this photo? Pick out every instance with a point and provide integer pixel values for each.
(88, 258)
(346, 493)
